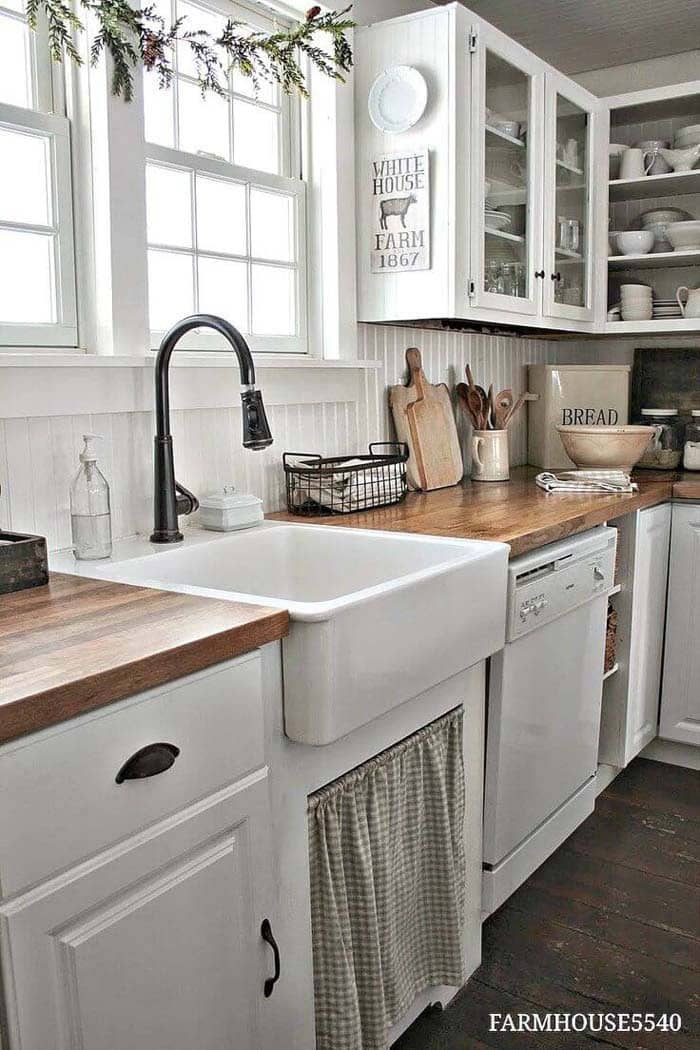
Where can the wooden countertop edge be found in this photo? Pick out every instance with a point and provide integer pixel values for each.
(36, 711)
(687, 489)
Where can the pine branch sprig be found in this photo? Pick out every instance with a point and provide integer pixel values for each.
(131, 37)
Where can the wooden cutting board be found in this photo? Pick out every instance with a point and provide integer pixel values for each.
(424, 419)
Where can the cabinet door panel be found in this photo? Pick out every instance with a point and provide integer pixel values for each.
(157, 946)
(569, 213)
(647, 636)
(680, 698)
(507, 174)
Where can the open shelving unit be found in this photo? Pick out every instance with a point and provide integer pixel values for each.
(646, 115)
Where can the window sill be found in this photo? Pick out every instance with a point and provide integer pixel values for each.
(43, 385)
(188, 359)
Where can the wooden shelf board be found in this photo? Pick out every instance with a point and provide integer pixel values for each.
(654, 260)
(569, 167)
(608, 674)
(568, 255)
(616, 590)
(659, 327)
(651, 186)
(510, 139)
(504, 235)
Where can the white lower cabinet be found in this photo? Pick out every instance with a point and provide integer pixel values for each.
(680, 696)
(155, 944)
(630, 709)
(151, 934)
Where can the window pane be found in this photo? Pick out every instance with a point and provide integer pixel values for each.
(169, 204)
(15, 63)
(170, 288)
(159, 111)
(14, 5)
(28, 285)
(272, 225)
(24, 178)
(197, 18)
(221, 225)
(223, 290)
(203, 121)
(267, 92)
(255, 137)
(274, 310)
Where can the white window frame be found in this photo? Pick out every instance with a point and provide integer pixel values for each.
(208, 340)
(289, 183)
(64, 331)
(41, 121)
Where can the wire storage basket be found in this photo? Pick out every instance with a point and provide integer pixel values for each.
(343, 484)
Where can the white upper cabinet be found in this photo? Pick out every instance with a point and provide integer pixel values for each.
(514, 217)
(680, 696)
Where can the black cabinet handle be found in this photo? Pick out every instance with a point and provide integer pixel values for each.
(539, 273)
(266, 934)
(556, 276)
(149, 761)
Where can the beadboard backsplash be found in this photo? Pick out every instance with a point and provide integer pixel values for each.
(39, 456)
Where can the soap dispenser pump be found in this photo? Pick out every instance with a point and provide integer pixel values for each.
(91, 521)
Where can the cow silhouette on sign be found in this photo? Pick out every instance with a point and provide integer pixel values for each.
(395, 206)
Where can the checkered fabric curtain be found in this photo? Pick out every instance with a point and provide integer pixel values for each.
(387, 885)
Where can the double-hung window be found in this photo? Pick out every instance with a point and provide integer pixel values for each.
(225, 201)
(37, 274)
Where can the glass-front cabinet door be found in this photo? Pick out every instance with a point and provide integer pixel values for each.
(569, 202)
(506, 184)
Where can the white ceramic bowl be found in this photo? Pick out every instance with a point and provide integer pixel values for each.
(648, 218)
(635, 242)
(605, 448)
(689, 136)
(684, 236)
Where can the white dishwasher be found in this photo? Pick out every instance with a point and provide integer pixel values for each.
(545, 693)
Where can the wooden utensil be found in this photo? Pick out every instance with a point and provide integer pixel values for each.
(424, 419)
(471, 402)
(503, 402)
(518, 405)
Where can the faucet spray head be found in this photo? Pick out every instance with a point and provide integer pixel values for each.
(256, 429)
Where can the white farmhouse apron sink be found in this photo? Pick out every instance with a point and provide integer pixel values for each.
(376, 617)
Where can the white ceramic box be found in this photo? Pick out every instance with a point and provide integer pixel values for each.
(584, 395)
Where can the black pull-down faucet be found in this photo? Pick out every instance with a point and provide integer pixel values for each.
(170, 498)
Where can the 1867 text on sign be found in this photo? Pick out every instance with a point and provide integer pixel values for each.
(400, 186)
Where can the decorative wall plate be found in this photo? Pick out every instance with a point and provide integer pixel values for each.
(397, 99)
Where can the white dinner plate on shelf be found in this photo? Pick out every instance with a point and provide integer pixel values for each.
(397, 99)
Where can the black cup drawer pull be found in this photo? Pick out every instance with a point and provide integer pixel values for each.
(266, 934)
(149, 761)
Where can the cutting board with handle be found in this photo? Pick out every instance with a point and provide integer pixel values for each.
(424, 419)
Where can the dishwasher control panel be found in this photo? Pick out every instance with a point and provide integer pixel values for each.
(548, 583)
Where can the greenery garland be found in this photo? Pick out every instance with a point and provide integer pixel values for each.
(132, 37)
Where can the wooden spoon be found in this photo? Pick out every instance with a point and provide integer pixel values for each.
(502, 406)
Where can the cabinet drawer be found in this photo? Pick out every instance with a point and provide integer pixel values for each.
(60, 799)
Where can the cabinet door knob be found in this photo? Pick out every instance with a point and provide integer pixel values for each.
(149, 761)
(539, 273)
(267, 935)
(556, 276)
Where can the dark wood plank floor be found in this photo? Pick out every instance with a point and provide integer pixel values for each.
(611, 922)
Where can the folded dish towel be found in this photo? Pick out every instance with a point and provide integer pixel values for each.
(586, 481)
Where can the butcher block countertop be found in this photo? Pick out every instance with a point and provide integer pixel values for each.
(77, 644)
(515, 512)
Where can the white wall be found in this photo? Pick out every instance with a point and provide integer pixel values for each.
(364, 12)
(639, 76)
(39, 454)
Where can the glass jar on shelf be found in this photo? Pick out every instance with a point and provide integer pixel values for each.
(666, 448)
(691, 449)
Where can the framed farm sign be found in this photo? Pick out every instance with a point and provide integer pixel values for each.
(400, 187)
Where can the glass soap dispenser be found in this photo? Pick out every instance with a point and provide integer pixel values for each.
(91, 521)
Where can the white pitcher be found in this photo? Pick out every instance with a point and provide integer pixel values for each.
(490, 455)
(691, 307)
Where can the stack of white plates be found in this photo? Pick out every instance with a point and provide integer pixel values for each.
(497, 220)
(665, 308)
